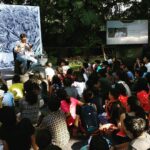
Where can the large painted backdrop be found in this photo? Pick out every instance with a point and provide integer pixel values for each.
(14, 20)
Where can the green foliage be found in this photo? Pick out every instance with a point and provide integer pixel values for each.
(52, 59)
(88, 17)
(80, 22)
(77, 51)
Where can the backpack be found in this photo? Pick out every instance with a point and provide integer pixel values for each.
(89, 118)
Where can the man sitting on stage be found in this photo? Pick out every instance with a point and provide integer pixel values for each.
(24, 53)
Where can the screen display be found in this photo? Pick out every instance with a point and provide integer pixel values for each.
(127, 32)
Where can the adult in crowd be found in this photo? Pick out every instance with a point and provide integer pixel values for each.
(17, 88)
(123, 98)
(130, 74)
(135, 128)
(138, 63)
(44, 140)
(71, 90)
(27, 85)
(69, 106)
(99, 143)
(7, 98)
(55, 122)
(79, 83)
(142, 92)
(24, 52)
(94, 85)
(114, 108)
(86, 70)
(134, 110)
(88, 96)
(105, 84)
(70, 74)
(65, 66)
(122, 78)
(110, 77)
(49, 71)
(55, 85)
(18, 135)
(147, 63)
(29, 107)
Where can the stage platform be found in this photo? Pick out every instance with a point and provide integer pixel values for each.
(8, 73)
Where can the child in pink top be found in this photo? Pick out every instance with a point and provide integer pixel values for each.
(70, 109)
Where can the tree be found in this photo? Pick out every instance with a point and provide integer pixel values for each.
(81, 22)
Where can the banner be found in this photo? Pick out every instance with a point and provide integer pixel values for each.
(127, 32)
(14, 20)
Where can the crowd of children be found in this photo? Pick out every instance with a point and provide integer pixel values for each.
(105, 101)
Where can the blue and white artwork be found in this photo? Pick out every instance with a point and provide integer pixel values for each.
(14, 20)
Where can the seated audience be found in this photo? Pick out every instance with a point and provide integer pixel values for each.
(94, 85)
(65, 66)
(56, 85)
(69, 106)
(18, 135)
(142, 92)
(71, 90)
(122, 78)
(49, 71)
(7, 98)
(55, 122)
(79, 83)
(29, 107)
(99, 143)
(122, 94)
(135, 110)
(135, 128)
(44, 140)
(17, 88)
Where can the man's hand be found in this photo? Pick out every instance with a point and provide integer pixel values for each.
(29, 47)
(18, 49)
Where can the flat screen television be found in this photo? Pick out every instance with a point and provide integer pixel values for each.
(127, 32)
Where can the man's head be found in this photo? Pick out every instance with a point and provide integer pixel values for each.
(23, 37)
(48, 64)
(145, 60)
(53, 104)
(43, 138)
(98, 143)
(134, 126)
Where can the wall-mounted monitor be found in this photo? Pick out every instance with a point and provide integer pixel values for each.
(127, 32)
